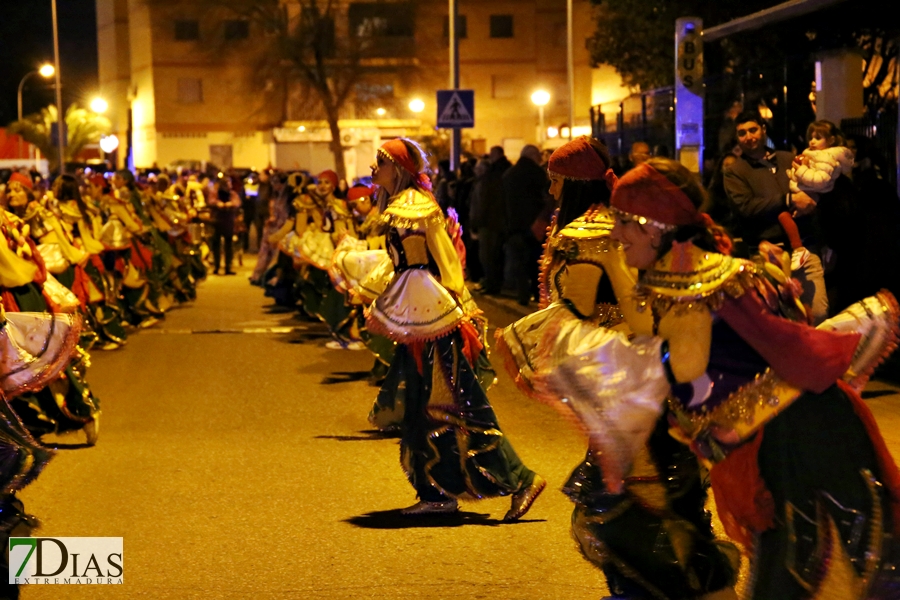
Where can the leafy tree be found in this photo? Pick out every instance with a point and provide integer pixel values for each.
(637, 37)
(83, 127)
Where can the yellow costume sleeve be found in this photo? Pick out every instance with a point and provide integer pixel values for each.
(689, 334)
(91, 244)
(623, 280)
(124, 215)
(14, 270)
(444, 254)
(71, 253)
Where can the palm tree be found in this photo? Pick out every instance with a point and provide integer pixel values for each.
(83, 127)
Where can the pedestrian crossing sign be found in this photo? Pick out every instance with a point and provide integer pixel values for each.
(455, 109)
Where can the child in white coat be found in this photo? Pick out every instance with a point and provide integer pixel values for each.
(816, 168)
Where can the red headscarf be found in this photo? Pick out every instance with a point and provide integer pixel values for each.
(23, 179)
(577, 160)
(330, 176)
(359, 191)
(396, 151)
(646, 192)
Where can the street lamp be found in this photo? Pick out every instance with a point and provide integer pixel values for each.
(416, 105)
(380, 112)
(109, 143)
(46, 71)
(540, 98)
(99, 105)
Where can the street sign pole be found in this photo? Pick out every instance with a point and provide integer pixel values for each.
(456, 132)
(689, 93)
(60, 117)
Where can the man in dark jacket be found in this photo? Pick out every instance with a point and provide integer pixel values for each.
(525, 187)
(488, 218)
(757, 185)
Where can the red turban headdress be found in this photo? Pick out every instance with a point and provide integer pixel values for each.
(23, 179)
(578, 160)
(397, 152)
(645, 192)
(330, 176)
(359, 191)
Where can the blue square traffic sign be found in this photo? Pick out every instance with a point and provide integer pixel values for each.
(455, 109)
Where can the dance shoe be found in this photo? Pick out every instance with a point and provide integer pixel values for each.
(92, 430)
(522, 501)
(431, 508)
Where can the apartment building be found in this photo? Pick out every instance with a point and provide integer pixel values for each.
(186, 85)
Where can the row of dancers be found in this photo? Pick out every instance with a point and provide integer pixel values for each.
(81, 266)
(682, 365)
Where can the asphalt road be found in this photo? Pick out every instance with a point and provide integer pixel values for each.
(237, 462)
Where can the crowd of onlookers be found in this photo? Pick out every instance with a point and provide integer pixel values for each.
(830, 206)
(847, 230)
(835, 192)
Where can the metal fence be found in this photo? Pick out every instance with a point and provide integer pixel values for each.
(882, 131)
(646, 117)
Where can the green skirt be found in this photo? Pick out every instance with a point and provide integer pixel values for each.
(447, 416)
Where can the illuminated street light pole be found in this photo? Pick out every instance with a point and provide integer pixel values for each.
(456, 135)
(99, 105)
(540, 98)
(46, 71)
(416, 105)
(60, 118)
(570, 43)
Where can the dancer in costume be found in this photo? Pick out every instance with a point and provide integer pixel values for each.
(327, 221)
(68, 240)
(131, 261)
(451, 444)
(34, 349)
(170, 214)
(652, 538)
(800, 473)
(268, 252)
(360, 269)
(281, 279)
(65, 403)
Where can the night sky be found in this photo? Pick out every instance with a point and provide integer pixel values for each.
(26, 41)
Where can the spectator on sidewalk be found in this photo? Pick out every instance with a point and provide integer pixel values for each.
(526, 188)
(225, 204)
(640, 153)
(461, 193)
(488, 219)
(758, 187)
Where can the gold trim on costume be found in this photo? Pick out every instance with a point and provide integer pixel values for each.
(744, 411)
(688, 276)
(411, 209)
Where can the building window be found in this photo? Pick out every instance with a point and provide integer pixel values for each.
(396, 19)
(461, 27)
(501, 26)
(503, 86)
(319, 28)
(372, 96)
(190, 90)
(186, 31)
(237, 30)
